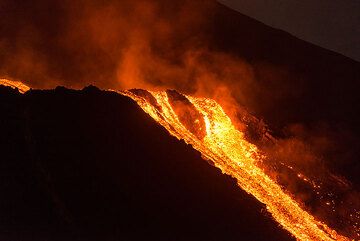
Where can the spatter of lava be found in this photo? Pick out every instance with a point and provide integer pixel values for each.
(202, 123)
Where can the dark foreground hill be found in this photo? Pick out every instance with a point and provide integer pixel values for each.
(91, 165)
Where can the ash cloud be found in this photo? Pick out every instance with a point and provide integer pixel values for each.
(122, 45)
(118, 44)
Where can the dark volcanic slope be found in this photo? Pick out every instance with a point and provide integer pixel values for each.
(296, 81)
(91, 165)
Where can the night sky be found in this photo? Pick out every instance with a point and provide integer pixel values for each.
(331, 24)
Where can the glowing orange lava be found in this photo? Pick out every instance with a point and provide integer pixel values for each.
(15, 84)
(202, 123)
(227, 148)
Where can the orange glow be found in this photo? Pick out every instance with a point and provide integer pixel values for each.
(15, 85)
(227, 148)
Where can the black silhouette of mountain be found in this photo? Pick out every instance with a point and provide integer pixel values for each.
(91, 165)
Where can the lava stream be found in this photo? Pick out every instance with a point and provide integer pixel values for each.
(15, 85)
(220, 142)
(227, 148)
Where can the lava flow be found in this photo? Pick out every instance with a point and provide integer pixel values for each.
(202, 123)
(214, 135)
(15, 85)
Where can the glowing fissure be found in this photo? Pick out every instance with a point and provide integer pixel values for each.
(227, 148)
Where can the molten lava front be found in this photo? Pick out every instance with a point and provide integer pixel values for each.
(220, 142)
